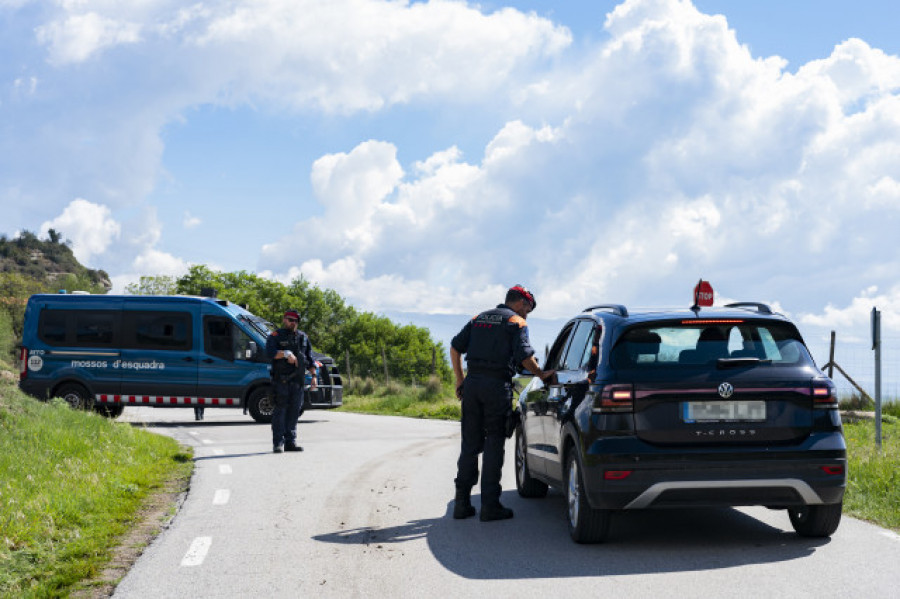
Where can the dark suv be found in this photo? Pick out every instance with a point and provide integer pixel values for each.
(712, 407)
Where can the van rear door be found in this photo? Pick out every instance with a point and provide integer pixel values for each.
(158, 363)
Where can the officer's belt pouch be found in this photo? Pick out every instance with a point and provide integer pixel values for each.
(513, 417)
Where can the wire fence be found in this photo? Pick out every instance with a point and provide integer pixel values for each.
(856, 358)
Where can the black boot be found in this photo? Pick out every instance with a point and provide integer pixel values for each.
(495, 512)
(462, 506)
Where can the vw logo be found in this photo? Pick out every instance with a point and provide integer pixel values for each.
(726, 390)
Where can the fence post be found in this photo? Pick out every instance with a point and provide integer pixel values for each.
(347, 357)
(384, 360)
(876, 345)
(433, 361)
(831, 358)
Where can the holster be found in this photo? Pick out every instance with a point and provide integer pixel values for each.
(513, 418)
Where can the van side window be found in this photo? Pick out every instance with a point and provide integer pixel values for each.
(158, 330)
(217, 337)
(52, 327)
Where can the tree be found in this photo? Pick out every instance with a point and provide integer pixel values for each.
(153, 285)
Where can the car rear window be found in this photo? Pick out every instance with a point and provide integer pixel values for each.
(688, 344)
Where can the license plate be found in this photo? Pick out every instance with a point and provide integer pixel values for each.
(723, 411)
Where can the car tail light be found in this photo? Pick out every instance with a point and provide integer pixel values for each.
(616, 474)
(823, 394)
(23, 363)
(615, 398)
(834, 470)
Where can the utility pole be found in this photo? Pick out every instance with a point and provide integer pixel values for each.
(876, 345)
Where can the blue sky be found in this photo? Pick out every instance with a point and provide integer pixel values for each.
(421, 157)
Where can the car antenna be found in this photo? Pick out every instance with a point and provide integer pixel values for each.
(696, 307)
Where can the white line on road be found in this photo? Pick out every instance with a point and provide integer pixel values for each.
(224, 469)
(196, 553)
(207, 442)
(218, 451)
(221, 497)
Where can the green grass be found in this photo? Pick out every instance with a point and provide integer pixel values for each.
(873, 485)
(431, 400)
(71, 483)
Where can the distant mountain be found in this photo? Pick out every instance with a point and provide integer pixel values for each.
(48, 262)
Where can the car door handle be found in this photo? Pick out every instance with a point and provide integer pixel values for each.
(207, 360)
(188, 359)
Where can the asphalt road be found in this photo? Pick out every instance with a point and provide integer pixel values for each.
(365, 512)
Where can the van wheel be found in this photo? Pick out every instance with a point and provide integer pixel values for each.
(815, 520)
(586, 525)
(261, 405)
(109, 410)
(76, 396)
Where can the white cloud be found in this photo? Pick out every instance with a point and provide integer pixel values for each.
(90, 227)
(78, 36)
(190, 221)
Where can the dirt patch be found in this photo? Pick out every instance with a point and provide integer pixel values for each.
(155, 515)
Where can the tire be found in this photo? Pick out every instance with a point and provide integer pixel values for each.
(528, 487)
(109, 410)
(76, 396)
(586, 525)
(815, 520)
(261, 405)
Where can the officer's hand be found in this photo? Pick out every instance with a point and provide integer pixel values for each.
(459, 391)
(548, 377)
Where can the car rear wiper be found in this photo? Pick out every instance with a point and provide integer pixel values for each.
(735, 362)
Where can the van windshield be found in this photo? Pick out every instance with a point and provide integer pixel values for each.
(263, 327)
(675, 344)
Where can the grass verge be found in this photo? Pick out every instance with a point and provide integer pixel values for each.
(72, 486)
(873, 485)
(431, 400)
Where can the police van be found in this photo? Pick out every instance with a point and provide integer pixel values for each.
(106, 352)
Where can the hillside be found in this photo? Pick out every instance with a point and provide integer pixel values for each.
(47, 263)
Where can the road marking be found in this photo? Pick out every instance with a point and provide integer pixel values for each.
(221, 497)
(224, 469)
(196, 553)
(195, 433)
(218, 451)
(207, 442)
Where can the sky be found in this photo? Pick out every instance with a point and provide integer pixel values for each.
(421, 157)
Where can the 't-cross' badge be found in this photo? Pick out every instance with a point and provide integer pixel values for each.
(726, 390)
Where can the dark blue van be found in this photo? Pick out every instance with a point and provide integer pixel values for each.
(109, 351)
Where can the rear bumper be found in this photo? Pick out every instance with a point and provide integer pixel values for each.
(771, 476)
(326, 397)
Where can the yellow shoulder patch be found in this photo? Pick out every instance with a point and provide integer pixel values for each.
(518, 320)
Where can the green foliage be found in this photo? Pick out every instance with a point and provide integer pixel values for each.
(154, 285)
(432, 400)
(333, 327)
(71, 483)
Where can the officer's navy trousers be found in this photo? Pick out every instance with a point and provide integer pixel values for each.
(288, 401)
(486, 404)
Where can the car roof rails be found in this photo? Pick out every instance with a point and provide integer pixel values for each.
(617, 309)
(761, 308)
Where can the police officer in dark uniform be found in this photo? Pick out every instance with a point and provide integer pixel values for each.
(291, 355)
(496, 345)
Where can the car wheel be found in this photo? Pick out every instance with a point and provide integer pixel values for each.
(586, 524)
(261, 405)
(109, 410)
(816, 520)
(527, 486)
(76, 396)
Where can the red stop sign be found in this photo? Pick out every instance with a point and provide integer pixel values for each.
(703, 294)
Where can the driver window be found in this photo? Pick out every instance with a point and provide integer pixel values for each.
(554, 358)
(581, 338)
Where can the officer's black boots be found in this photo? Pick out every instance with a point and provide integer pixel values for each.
(495, 512)
(462, 506)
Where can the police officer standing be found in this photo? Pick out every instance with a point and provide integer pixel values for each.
(290, 352)
(496, 344)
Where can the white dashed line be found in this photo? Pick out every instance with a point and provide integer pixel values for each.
(218, 451)
(207, 442)
(224, 469)
(221, 497)
(195, 433)
(196, 553)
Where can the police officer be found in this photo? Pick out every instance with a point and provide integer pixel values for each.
(496, 344)
(290, 352)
